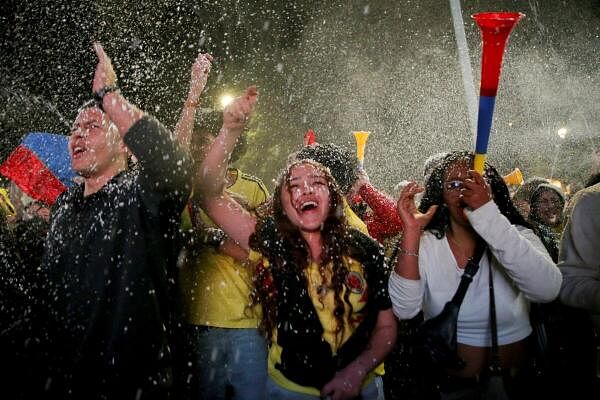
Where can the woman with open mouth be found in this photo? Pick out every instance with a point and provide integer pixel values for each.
(322, 286)
(465, 212)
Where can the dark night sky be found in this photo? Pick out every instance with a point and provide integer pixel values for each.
(386, 66)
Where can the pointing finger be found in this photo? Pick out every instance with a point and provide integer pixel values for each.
(100, 52)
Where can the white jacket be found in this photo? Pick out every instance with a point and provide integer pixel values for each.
(522, 271)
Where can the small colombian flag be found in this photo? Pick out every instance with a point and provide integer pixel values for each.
(41, 166)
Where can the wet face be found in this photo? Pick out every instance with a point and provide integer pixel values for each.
(95, 145)
(453, 183)
(549, 207)
(306, 198)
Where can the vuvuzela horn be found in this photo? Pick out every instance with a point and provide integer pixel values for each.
(361, 142)
(514, 178)
(495, 29)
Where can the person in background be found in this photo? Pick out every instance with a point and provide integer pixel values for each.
(546, 215)
(229, 357)
(522, 196)
(547, 203)
(579, 262)
(321, 285)
(107, 301)
(15, 310)
(382, 219)
(458, 209)
(591, 181)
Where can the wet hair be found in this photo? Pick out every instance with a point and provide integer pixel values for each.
(91, 103)
(340, 161)
(287, 251)
(431, 162)
(434, 194)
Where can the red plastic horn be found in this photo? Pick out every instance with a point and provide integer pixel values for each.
(495, 29)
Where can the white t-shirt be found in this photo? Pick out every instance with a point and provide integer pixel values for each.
(522, 272)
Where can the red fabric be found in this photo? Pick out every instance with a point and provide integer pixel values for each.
(385, 220)
(356, 199)
(31, 175)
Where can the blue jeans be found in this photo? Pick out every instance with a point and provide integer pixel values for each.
(373, 391)
(228, 363)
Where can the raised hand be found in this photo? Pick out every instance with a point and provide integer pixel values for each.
(200, 70)
(105, 74)
(412, 219)
(238, 112)
(475, 191)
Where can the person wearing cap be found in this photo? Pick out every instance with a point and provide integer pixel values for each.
(547, 203)
(522, 196)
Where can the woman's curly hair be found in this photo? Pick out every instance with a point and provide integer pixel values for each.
(434, 194)
(285, 249)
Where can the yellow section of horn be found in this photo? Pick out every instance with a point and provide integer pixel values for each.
(478, 162)
(6, 206)
(361, 141)
(514, 178)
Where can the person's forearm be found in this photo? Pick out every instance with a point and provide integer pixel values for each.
(165, 164)
(232, 249)
(210, 177)
(120, 111)
(185, 125)
(519, 251)
(383, 207)
(581, 291)
(380, 344)
(407, 263)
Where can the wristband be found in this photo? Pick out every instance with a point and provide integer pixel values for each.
(99, 95)
(408, 253)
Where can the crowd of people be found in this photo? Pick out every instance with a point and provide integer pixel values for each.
(167, 273)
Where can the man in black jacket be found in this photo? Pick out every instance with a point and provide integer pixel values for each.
(110, 252)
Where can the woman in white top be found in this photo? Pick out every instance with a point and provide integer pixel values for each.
(463, 207)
